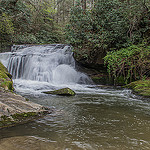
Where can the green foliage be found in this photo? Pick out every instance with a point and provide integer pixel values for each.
(141, 87)
(110, 24)
(25, 38)
(27, 22)
(6, 28)
(44, 36)
(132, 63)
(7, 85)
(78, 31)
(6, 25)
(80, 24)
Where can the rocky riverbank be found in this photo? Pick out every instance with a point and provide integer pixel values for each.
(15, 109)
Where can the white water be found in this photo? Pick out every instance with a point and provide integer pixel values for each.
(39, 68)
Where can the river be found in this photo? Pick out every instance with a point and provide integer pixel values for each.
(96, 118)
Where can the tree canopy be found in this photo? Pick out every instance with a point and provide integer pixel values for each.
(109, 24)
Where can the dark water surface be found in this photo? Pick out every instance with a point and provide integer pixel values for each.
(108, 119)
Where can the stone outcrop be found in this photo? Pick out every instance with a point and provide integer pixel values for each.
(15, 109)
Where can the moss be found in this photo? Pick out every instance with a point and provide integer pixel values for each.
(64, 92)
(23, 116)
(141, 87)
(5, 121)
(3, 75)
(19, 118)
(7, 85)
(2, 68)
(5, 78)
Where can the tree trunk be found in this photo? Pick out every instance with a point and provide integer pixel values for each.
(83, 2)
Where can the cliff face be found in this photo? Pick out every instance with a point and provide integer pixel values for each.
(15, 109)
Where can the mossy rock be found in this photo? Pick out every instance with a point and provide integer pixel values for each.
(7, 85)
(5, 78)
(3, 68)
(63, 92)
(141, 87)
(19, 118)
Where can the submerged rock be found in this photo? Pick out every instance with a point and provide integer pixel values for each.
(63, 92)
(27, 143)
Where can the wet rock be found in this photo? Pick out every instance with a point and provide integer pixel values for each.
(63, 92)
(15, 109)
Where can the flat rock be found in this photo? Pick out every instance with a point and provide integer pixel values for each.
(15, 109)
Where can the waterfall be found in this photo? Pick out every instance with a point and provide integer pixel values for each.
(50, 64)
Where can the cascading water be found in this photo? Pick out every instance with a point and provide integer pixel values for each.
(43, 67)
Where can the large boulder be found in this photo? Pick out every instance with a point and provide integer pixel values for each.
(63, 92)
(15, 109)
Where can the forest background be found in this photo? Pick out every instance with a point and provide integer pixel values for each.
(117, 30)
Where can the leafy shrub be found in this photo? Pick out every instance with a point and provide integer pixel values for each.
(24, 38)
(6, 28)
(23, 22)
(132, 63)
(44, 36)
(109, 24)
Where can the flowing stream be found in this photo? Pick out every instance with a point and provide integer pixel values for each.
(97, 118)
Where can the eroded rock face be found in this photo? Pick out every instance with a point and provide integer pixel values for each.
(63, 92)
